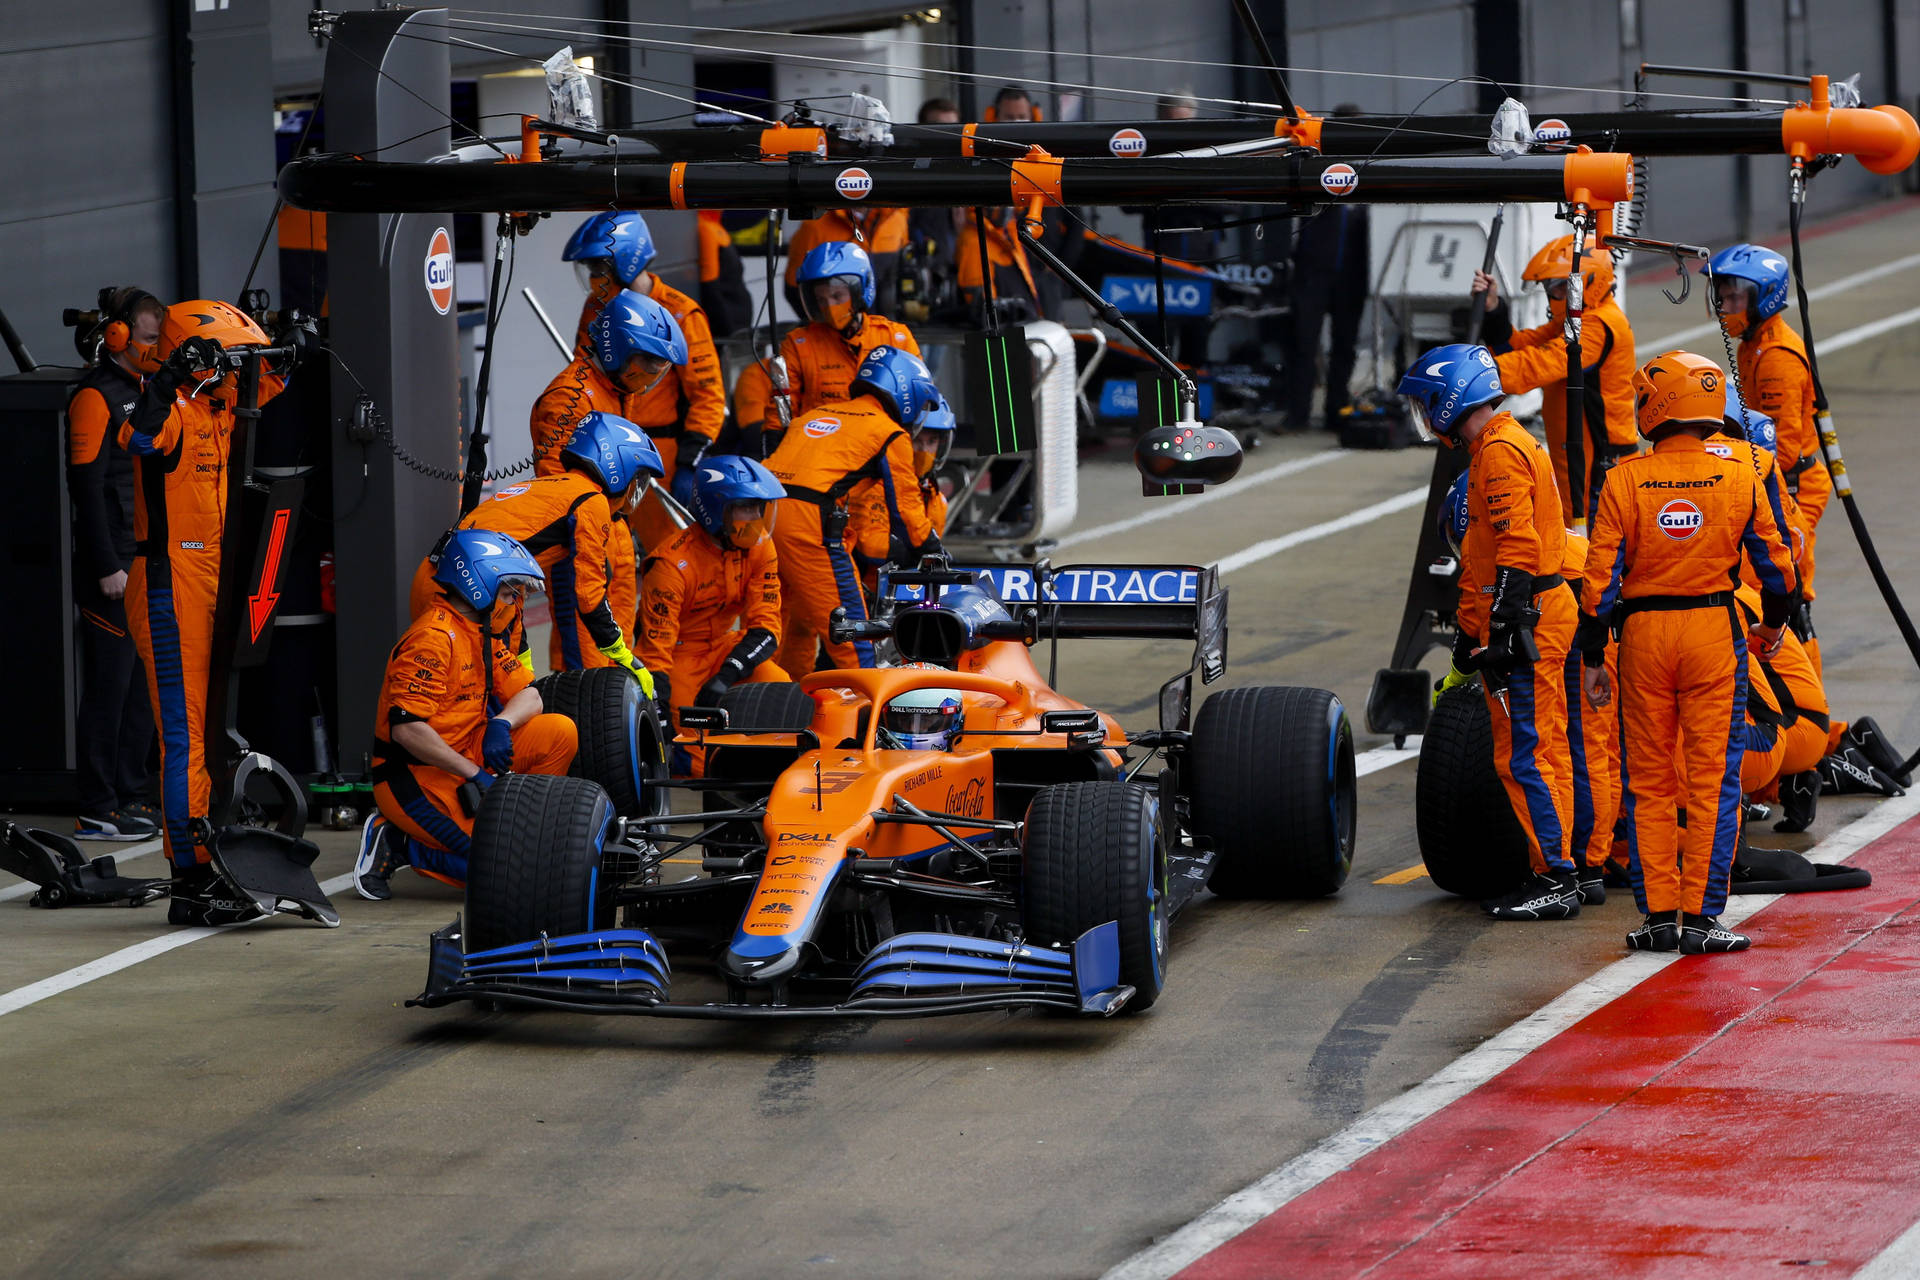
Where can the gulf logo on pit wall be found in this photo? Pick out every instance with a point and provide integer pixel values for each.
(1128, 143)
(440, 271)
(853, 183)
(1339, 180)
(1552, 131)
(1680, 519)
(819, 427)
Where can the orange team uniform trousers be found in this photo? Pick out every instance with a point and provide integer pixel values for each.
(1777, 380)
(1810, 733)
(820, 368)
(697, 601)
(179, 518)
(698, 385)
(576, 391)
(823, 457)
(1537, 359)
(1765, 749)
(1667, 542)
(1513, 521)
(438, 674)
(1593, 745)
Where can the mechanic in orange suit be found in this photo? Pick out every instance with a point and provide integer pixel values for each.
(821, 357)
(879, 233)
(1537, 359)
(710, 598)
(1593, 746)
(179, 434)
(1013, 281)
(1516, 616)
(456, 711)
(1667, 543)
(723, 285)
(1750, 284)
(1808, 733)
(826, 454)
(869, 527)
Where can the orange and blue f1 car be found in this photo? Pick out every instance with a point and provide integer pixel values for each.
(1038, 861)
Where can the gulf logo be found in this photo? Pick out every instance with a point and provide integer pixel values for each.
(439, 273)
(1128, 143)
(1552, 131)
(1680, 519)
(854, 184)
(819, 427)
(1339, 180)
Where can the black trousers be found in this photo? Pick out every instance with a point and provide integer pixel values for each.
(113, 731)
(1317, 298)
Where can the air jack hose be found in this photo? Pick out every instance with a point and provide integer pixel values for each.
(1830, 446)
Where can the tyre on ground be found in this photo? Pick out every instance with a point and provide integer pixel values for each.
(534, 865)
(621, 744)
(1096, 852)
(1469, 839)
(1274, 791)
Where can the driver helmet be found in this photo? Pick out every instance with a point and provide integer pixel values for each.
(927, 719)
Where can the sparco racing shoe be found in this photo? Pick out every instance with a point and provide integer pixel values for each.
(1593, 885)
(1865, 736)
(383, 851)
(1701, 934)
(1546, 895)
(1660, 931)
(201, 896)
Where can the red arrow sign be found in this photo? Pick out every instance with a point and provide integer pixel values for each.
(260, 604)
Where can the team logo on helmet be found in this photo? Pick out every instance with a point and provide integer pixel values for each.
(1339, 180)
(439, 271)
(1554, 130)
(1128, 143)
(1680, 519)
(854, 184)
(820, 427)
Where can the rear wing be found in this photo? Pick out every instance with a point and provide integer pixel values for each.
(1090, 601)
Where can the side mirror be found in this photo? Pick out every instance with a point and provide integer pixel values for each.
(704, 719)
(1075, 724)
(1188, 453)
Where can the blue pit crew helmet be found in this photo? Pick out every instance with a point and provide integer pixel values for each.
(620, 237)
(1751, 425)
(1761, 268)
(477, 564)
(933, 438)
(723, 479)
(630, 325)
(900, 381)
(1453, 516)
(613, 451)
(832, 259)
(921, 720)
(1447, 384)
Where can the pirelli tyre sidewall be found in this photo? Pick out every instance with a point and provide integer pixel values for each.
(1469, 839)
(621, 744)
(534, 865)
(1095, 852)
(1274, 791)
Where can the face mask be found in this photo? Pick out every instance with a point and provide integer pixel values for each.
(744, 536)
(635, 381)
(924, 463)
(839, 315)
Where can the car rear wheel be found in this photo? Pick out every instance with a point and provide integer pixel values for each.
(1274, 790)
(621, 745)
(1094, 852)
(1469, 839)
(534, 866)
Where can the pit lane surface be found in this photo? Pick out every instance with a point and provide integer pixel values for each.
(260, 1103)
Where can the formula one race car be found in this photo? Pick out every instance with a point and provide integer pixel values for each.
(1037, 861)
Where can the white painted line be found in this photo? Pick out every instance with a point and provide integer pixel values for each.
(1454, 1081)
(1171, 507)
(1386, 757)
(1840, 342)
(121, 853)
(1288, 541)
(125, 958)
(1900, 1261)
(1827, 290)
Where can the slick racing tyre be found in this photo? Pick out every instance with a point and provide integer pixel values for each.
(535, 861)
(1274, 790)
(1094, 852)
(767, 706)
(621, 745)
(1469, 839)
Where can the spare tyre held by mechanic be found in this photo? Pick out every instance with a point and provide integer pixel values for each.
(1750, 283)
(710, 597)
(1667, 541)
(457, 709)
(1536, 358)
(571, 524)
(1516, 616)
(683, 412)
(821, 357)
(179, 433)
(826, 454)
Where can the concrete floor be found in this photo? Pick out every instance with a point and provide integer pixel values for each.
(260, 1103)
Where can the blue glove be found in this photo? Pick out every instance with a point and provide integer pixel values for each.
(481, 779)
(142, 443)
(496, 749)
